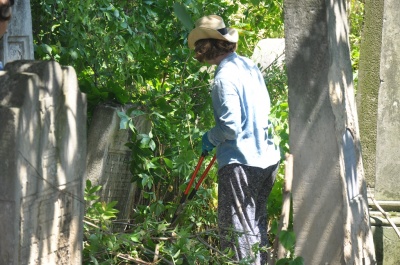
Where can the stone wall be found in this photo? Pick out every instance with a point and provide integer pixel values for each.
(42, 164)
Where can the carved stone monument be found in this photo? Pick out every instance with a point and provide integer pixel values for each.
(42, 164)
(17, 43)
(330, 207)
(108, 159)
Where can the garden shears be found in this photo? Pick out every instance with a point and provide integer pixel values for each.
(185, 196)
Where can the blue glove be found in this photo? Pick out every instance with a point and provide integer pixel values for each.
(207, 146)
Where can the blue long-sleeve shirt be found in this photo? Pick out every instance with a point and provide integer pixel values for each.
(241, 106)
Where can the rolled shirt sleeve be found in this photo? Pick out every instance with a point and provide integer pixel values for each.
(227, 112)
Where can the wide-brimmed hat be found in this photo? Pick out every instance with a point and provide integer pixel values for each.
(212, 27)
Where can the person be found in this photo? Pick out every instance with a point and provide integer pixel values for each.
(247, 157)
(5, 16)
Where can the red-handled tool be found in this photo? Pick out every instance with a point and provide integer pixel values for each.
(186, 192)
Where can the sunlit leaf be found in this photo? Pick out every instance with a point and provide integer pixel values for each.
(183, 15)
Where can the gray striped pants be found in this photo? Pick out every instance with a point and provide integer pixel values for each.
(242, 209)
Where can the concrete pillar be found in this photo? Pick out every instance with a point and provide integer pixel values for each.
(331, 218)
(42, 164)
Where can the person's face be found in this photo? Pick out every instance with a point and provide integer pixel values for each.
(5, 15)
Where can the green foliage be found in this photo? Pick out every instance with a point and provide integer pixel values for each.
(148, 240)
(289, 261)
(356, 17)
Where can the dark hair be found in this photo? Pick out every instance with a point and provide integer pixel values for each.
(208, 49)
(5, 11)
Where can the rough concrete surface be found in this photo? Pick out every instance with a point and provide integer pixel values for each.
(387, 186)
(330, 207)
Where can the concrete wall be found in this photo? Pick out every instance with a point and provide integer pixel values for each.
(331, 219)
(42, 164)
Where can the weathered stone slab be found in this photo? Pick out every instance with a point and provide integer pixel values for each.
(331, 219)
(108, 160)
(387, 185)
(268, 52)
(17, 43)
(43, 151)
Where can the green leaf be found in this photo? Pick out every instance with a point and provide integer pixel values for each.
(46, 48)
(177, 254)
(298, 261)
(164, 106)
(135, 112)
(74, 55)
(168, 162)
(123, 124)
(144, 140)
(284, 261)
(54, 27)
(183, 15)
(88, 184)
(135, 238)
(152, 145)
(287, 239)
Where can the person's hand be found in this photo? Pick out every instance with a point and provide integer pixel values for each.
(207, 146)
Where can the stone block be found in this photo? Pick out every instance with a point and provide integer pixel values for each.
(43, 144)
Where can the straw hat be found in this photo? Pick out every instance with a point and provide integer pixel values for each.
(211, 27)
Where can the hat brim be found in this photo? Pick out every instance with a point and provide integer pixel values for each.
(200, 33)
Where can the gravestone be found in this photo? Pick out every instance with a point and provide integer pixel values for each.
(330, 206)
(42, 164)
(387, 185)
(108, 159)
(268, 52)
(17, 42)
(378, 100)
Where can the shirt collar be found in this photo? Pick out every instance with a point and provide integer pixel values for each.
(228, 58)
